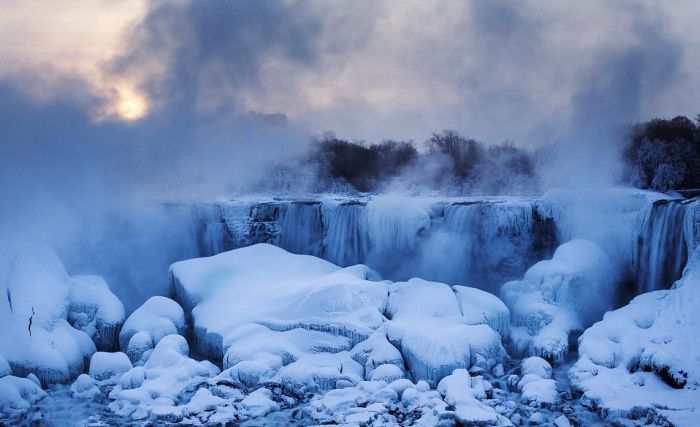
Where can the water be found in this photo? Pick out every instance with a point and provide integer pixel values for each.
(662, 247)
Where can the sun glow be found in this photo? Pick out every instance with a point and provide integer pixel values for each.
(130, 105)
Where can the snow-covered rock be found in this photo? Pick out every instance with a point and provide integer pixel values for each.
(458, 391)
(644, 356)
(41, 299)
(224, 294)
(104, 366)
(16, 397)
(148, 324)
(481, 307)
(559, 296)
(158, 389)
(426, 325)
(95, 310)
(84, 387)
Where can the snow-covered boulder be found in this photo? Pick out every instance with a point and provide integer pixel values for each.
(481, 307)
(158, 390)
(458, 390)
(40, 300)
(145, 327)
(104, 366)
(16, 397)
(84, 387)
(644, 356)
(559, 296)
(427, 326)
(95, 310)
(536, 385)
(263, 289)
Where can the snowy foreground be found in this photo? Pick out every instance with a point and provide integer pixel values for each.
(259, 335)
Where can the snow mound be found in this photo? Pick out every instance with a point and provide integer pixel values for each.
(158, 391)
(95, 310)
(458, 399)
(536, 385)
(557, 297)
(481, 307)
(644, 356)
(223, 294)
(104, 366)
(41, 299)
(145, 327)
(16, 397)
(426, 325)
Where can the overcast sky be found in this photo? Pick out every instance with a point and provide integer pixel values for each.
(495, 70)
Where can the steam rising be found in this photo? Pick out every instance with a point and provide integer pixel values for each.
(86, 182)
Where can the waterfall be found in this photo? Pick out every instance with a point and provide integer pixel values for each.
(475, 242)
(209, 229)
(662, 247)
(346, 241)
(301, 227)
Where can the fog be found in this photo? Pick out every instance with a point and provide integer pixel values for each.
(91, 182)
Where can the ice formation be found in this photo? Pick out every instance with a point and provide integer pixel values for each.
(642, 359)
(427, 326)
(559, 296)
(16, 397)
(51, 319)
(299, 338)
(145, 327)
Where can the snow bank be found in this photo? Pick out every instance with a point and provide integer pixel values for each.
(147, 325)
(426, 325)
(559, 296)
(41, 299)
(644, 356)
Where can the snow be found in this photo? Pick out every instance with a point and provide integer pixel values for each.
(16, 397)
(559, 296)
(156, 390)
(644, 356)
(457, 390)
(104, 366)
(41, 299)
(84, 387)
(148, 324)
(224, 294)
(426, 325)
(481, 307)
(95, 310)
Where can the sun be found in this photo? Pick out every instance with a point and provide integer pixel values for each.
(130, 105)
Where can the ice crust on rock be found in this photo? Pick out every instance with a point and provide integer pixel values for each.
(50, 319)
(557, 297)
(148, 324)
